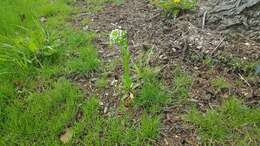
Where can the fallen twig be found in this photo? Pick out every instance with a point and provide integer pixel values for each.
(204, 19)
(215, 49)
(242, 78)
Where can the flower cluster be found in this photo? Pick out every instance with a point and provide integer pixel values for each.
(119, 37)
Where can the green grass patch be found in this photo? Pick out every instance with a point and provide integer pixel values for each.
(152, 92)
(26, 12)
(39, 118)
(95, 6)
(151, 95)
(232, 123)
(103, 82)
(80, 55)
(26, 43)
(86, 62)
(93, 129)
(221, 84)
(36, 103)
(181, 85)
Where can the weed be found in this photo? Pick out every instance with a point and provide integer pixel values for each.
(119, 38)
(239, 65)
(233, 123)
(209, 62)
(174, 7)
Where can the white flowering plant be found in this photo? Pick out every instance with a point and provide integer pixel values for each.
(119, 38)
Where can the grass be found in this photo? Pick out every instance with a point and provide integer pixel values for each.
(95, 6)
(152, 92)
(34, 120)
(37, 103)
(232, 123)
(81, 55)
(93, 129)
(103, 82)
(181, 84)
(150, 127)
(25, 43)
(26, 12)
(39, 50)
(221, 84)
(86, 62)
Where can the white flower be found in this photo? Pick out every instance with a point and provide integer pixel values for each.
(118, 37)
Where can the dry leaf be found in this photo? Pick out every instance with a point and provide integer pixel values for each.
(129, 100)
(66, 137)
